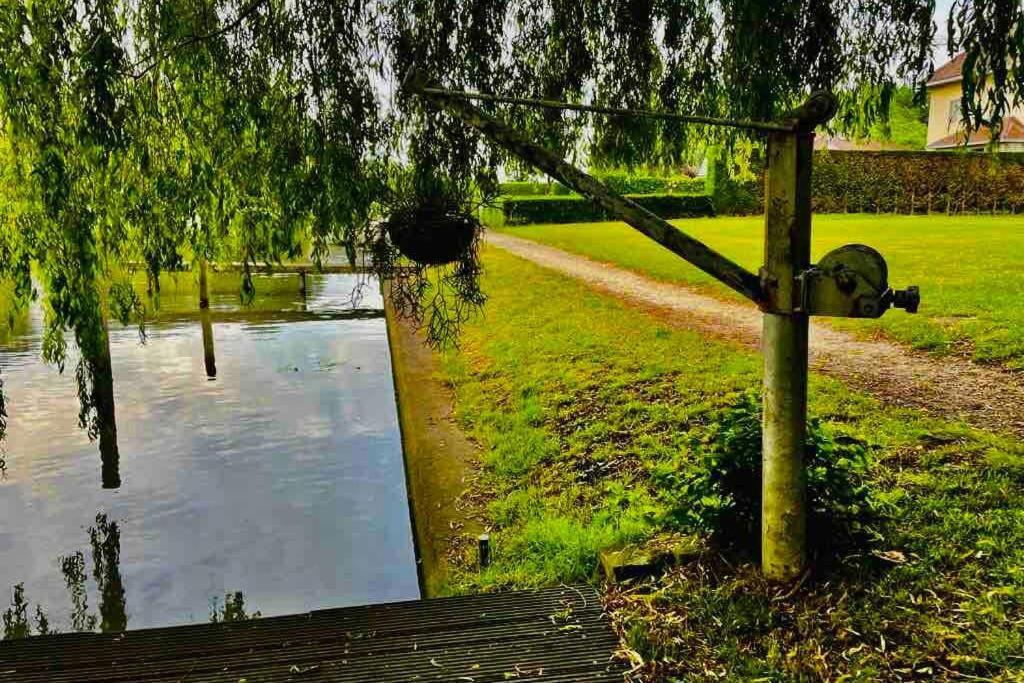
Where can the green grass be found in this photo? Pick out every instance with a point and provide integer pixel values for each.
(578, 400)
(970, 270)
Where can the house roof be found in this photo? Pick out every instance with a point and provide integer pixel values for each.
(1013, 131)
(950, 72)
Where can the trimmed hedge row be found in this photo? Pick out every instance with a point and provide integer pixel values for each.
(843, 182)
(624, 183)
(528, 188)
(918, 182)
(576, 209)
(620, 182)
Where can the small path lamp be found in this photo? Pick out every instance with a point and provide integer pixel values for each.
(851, 281)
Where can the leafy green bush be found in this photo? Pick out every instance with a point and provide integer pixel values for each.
(906, 182)
(550, 209)
(734, 197)
(720, 493)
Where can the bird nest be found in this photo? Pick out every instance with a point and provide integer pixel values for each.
(432, 235)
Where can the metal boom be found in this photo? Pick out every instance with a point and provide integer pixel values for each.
(658, 229)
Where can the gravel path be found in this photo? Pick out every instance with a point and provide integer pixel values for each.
(948, 387)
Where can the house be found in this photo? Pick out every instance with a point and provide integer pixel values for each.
(944, 116)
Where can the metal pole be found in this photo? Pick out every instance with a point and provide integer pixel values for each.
(760, 126)
(787, 255)
(784, 342)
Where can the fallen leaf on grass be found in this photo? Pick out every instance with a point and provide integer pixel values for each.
(894, 556)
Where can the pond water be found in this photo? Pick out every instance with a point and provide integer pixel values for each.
(281, 478)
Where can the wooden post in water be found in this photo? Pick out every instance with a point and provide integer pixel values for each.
(204, 290)
(103, 398)
(302, 283)
(209, 357)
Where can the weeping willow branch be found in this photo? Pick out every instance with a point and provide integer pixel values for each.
(438, 299)
(151, 61)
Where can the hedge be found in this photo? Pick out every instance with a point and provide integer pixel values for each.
(620, 182)
(532, 189)
(575, 209)
(854, 181)
(918, 182)
(624, 183)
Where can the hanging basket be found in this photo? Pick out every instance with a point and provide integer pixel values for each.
(432, 235)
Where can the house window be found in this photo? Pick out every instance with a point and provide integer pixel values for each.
(954, 113)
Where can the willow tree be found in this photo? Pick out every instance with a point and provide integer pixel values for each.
(161, 130)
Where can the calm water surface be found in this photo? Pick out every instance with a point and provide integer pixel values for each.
(281, 478)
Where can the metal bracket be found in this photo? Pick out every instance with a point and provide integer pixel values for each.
(851, 282)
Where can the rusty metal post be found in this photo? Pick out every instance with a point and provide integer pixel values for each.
(787, 253)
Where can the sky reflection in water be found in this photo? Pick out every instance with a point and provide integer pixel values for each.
(282, 478)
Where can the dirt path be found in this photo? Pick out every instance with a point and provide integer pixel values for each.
(946, 387)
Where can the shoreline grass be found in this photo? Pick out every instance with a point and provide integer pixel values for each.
(579, 402)
(970, 270)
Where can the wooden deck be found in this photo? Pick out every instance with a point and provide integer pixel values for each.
(556, 635)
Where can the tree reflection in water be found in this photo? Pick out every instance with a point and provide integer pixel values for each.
(105, 539)
(105, 547)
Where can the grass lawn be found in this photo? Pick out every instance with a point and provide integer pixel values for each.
(586, 408)
(970, 269)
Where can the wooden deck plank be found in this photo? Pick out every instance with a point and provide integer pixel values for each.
(555, 635)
